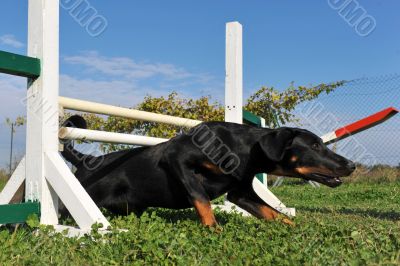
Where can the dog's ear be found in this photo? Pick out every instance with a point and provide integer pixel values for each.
(75, 121)
(275, 142)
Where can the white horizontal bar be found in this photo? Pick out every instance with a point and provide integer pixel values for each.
(99, 108)
(109, 137)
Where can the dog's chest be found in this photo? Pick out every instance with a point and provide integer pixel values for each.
(215, 186)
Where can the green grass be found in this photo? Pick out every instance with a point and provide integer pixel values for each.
(354, 224)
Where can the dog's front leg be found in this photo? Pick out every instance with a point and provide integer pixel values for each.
(195, 192)
(205, 212)
(247, 199)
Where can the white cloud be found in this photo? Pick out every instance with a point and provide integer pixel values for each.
(112, 92)
(118, 81)
(10, 40)
(123, 78)
(126, 67)
(115, 92)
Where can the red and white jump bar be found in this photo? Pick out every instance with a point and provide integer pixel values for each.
(359, 126)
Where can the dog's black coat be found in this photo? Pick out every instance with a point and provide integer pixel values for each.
(190, 167)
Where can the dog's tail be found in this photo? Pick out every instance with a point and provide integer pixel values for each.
(69, 152)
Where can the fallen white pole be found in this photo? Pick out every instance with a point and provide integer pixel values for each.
(359, 126)
(109, 137)
(99, 108)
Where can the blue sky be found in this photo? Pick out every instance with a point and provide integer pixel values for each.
(154, 47)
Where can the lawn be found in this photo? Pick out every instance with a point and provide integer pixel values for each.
(354, 224)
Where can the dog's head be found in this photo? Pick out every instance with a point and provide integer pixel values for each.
(300, 153)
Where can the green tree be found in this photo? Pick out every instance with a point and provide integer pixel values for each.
(277, 107)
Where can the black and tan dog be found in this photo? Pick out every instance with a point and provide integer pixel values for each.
(212, 159)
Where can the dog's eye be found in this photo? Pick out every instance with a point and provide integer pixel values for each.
(316, 146)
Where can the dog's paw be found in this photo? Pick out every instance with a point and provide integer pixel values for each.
(216, 228)
(288, 222)
(283, 219)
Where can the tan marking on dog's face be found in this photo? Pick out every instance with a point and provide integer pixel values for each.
(294, 159)
(212, 167)
(278, 171)
(312, 170)
(205, 213)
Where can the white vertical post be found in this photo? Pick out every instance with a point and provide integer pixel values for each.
(233, 78)
(234, 73)
(42, 104)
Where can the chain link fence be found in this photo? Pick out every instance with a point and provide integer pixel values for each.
(357, 99)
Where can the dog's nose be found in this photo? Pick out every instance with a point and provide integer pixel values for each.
(351, 165)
